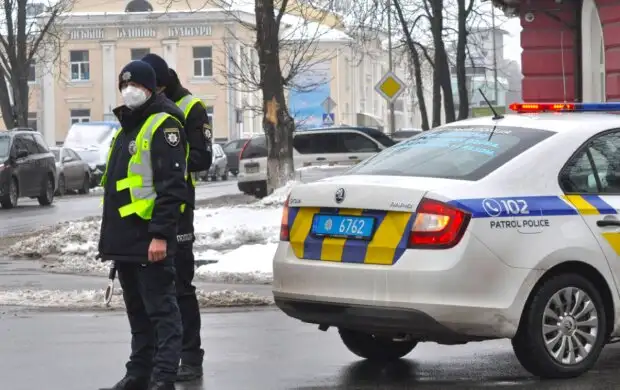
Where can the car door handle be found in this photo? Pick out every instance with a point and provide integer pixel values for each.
(352, 157)
(321, 159)
(608, 223)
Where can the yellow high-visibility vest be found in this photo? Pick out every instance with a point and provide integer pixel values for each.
(139, 180)
(185, 104)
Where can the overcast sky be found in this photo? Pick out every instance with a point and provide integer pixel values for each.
(512, 46)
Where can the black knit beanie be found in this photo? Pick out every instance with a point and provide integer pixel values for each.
(159, 66)
(138, 72)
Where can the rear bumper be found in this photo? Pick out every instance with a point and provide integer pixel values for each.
(375, 320)
(460, 294)
(251, 187)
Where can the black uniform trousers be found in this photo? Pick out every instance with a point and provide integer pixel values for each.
(192, 354)
(154, 319)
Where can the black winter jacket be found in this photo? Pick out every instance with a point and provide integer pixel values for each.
(199, 135)
(129, 238)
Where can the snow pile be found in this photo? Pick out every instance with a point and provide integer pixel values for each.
(93, 299)
(246, 264)
(277, 197)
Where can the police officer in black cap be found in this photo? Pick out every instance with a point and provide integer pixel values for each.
(145, 192)
(198, 130)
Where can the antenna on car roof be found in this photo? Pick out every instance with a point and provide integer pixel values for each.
(496, 116)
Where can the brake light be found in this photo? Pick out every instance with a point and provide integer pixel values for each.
(284, 228)
(437, 225)
(245, 145)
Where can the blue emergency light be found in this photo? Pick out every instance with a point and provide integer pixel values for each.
(564, 107)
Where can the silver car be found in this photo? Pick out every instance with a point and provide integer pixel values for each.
(219, 165)
(73, 173)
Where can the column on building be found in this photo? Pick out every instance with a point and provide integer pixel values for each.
(48, 101)
(170, 47)
(109, 79)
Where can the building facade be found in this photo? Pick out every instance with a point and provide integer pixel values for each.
(570, 49)
(207, 47)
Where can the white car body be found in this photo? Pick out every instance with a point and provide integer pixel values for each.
(522, 226)
(252, 177)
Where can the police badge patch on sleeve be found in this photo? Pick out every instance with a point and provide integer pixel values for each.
(172, 136)
(207, 129)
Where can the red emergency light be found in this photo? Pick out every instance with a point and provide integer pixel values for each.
(542, 107)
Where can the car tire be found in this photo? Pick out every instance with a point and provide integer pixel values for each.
(9, 200)
(371, 347)
(47, 193)
(261, 190)
(85, 185)
(225, 174)
(62, 186)
(534, 343)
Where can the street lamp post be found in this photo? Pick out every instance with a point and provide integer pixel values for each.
(391, 64)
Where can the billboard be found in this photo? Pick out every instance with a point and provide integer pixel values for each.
(311, 88)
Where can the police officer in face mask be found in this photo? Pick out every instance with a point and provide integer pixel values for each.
(145, 192)
(198, 130)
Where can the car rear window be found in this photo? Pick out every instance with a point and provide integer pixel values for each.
(465, 153)
(256, 148)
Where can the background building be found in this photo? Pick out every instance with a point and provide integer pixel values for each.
(206, 46)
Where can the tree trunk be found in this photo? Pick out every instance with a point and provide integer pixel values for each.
(441, 72)
(5, 103)
(277, 122)
(461, 47)
(436, 95)
(417, 68)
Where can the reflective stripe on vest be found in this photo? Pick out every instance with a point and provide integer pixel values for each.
(185, 104)
(139, 180)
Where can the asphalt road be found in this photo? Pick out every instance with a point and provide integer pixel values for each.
(29, 216)
(259, 350)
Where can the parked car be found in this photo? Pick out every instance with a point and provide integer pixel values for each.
(342, 146)
(405, 133)
(27, 168)
(72, 172)
(91, 141)
(92, 157)
(233, 150)
(219, 165)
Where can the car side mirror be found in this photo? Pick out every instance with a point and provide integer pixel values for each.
(67, 159)
(22, 153)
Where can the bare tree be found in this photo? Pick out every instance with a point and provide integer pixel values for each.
(24, 35)
(464, 10)
(286, 37)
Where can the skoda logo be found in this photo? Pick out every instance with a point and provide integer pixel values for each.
(339, 197)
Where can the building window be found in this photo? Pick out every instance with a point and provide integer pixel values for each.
(80, 68)
(80, 116)
(137, 54)
(32, 73)
(203, 61)
(32, 120)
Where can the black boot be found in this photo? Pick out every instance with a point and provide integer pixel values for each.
(130, 383)
(189, 373)
(161, 386)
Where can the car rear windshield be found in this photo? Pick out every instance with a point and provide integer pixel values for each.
(465, 153)
(255, 148)
(5, 143)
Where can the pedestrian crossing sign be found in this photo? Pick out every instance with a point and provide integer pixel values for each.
(328, 119)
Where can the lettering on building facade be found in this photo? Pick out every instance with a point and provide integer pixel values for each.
(189, 31)
(84, 34)
(136, 32)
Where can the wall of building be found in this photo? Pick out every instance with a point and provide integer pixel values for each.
(548, 64)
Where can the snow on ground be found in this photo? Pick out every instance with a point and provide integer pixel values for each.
(242, 238)
(93, 299)
(246, 264)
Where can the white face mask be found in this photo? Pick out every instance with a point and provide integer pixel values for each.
(133, 97)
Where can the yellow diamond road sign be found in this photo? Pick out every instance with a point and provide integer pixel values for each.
(390, 87)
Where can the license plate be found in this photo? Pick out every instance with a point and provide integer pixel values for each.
(251, 168)
(346, 226)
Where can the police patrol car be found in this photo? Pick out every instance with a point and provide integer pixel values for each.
(503, 227)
